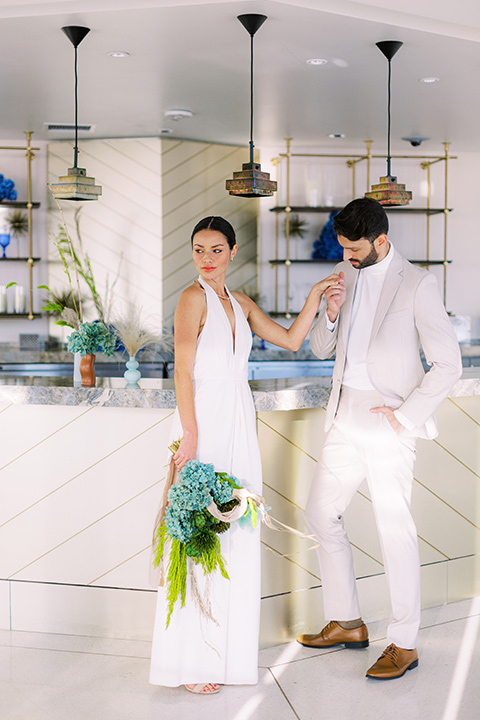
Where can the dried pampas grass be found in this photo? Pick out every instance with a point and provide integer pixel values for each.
(70, 317)
(133, 334)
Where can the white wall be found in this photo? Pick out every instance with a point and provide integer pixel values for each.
(154, 192)
(122, 231)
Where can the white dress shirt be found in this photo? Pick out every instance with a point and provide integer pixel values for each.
(366, 296)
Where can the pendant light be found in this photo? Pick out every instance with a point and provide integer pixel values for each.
(250, 181)
(76, 185)
(388, 192)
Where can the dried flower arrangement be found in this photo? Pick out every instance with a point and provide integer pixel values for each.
(134, 335)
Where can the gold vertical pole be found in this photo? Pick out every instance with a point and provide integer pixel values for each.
(29, 155)
(353, 180)
(445, 213)
(428, 207)
(368, 143)
(287, 230)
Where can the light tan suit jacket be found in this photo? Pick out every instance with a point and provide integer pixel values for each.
(410, 313)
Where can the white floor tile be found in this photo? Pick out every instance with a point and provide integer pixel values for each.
(45, 676)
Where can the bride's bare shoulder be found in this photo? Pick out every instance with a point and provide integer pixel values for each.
(192, 296)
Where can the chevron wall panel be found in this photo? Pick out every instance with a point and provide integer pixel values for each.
(122, 232)
(154, 192)
(193, 186)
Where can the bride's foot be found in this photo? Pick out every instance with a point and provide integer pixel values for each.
(203, 688)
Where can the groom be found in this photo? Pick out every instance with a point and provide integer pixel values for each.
(377, 315)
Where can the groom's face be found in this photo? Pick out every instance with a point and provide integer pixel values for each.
(363, 253)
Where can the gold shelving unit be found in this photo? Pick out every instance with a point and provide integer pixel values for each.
(29, 205)
(352, 160)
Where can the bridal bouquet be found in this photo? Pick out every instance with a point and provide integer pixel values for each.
(200, 506)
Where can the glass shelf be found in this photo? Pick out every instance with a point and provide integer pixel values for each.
(334, 262)
(19, 259)
(18, 204)
(324, 209)
(16, 316)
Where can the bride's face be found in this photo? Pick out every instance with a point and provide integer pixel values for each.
(211, 254)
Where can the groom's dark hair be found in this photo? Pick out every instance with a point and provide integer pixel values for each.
(215, 222)
(361, 218)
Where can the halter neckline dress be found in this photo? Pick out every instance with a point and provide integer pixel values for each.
(195, 649)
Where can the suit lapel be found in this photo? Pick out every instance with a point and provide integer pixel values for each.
(393, 280)
(351, 277)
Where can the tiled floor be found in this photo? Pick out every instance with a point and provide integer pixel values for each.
(62, 677)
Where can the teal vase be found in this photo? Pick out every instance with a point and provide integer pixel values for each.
(132, 375)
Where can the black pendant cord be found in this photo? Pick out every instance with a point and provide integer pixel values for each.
(389, 159)
(75, 149)
(251, 99)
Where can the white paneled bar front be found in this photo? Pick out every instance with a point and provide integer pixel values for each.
(80, 485)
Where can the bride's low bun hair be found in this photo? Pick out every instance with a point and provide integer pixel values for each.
(215, 222)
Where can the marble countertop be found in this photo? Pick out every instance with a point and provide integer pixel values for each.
(268, 395)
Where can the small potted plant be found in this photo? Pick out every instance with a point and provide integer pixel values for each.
(88, 340)
(17, 223)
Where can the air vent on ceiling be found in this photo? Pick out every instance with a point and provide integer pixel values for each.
(68, 128)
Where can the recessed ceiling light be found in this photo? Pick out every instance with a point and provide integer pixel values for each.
(178, 114)
(336, 135)
(118, 54)
(429, 79)
(317, 61)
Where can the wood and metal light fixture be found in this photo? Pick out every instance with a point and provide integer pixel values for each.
(388, 192)
(76, 185)
(250, 181)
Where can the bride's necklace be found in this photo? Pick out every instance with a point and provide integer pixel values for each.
(222, 297)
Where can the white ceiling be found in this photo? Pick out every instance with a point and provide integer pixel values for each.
(195, 55)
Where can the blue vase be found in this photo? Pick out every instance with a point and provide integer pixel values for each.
(132, 375)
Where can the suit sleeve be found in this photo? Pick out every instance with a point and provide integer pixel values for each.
(441, 350)
(323, 341)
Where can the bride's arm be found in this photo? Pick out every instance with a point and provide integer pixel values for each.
(290, 338)
(187, 323)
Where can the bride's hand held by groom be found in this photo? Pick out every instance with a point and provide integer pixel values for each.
(335, 295)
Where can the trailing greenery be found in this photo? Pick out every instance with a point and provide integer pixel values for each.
(191, 530)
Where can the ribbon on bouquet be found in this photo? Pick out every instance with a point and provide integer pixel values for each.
(243, 496)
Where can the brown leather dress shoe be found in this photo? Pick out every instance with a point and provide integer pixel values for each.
(332, 634)
(393, 663)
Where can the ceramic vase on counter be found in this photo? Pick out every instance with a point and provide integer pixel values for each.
(77, 378)
(87, 370)
(132, 375)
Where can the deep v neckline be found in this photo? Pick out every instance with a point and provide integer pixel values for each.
(233, 330)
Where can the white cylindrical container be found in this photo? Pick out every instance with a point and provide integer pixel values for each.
(20, 302)
(3, 299)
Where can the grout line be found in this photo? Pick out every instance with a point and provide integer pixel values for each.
(81, 652)
(283, 693)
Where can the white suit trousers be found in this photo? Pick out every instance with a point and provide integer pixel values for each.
(359, 445)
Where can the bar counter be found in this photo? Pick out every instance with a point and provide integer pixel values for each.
(81, 479)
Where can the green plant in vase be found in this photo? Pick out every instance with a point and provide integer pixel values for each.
(90, 338)
(17, 223)
(297, 227)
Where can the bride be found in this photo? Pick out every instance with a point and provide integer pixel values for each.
(215, 419)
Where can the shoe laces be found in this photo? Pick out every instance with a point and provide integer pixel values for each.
(391, 652)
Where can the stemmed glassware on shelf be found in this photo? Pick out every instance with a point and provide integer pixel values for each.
(4, 242)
